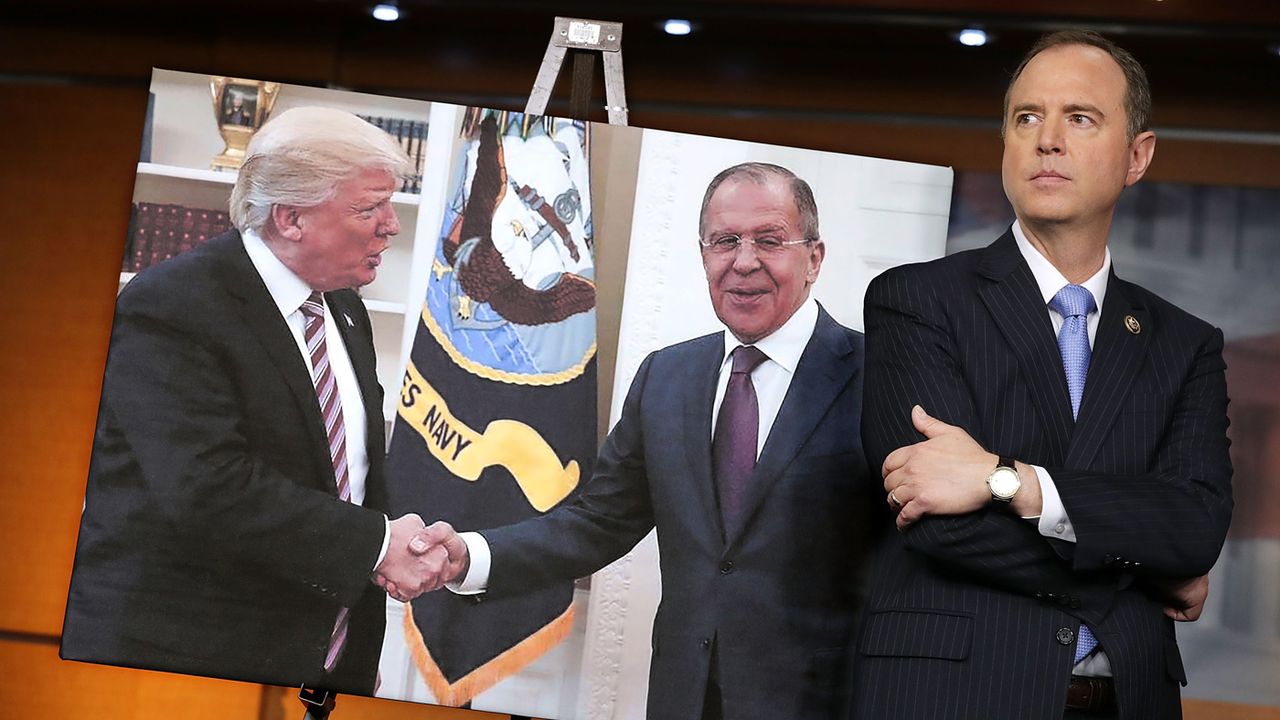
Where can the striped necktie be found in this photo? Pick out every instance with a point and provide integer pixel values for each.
(1074, 303)
(331, 409)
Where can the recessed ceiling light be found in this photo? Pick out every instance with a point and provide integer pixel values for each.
(973, 37)
(676, 26)
(386, 12)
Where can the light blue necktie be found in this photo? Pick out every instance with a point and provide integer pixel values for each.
(1074, 303)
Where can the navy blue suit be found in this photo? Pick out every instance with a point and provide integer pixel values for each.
(773, 596)
(975, 616)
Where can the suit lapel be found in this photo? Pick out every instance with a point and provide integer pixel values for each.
(1118, 353)
(351, 324)
(1018, 310)
(258, 313)
(820, 376)
(701, 395)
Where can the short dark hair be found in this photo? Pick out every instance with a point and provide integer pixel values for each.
(1137, 100)
(760, 173)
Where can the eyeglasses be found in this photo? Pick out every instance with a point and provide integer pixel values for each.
(764, 244)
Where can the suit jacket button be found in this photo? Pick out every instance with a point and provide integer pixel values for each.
(726, 567)
(705, 643)
(1066, 636)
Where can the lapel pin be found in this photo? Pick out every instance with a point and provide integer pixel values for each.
(1132, 324)
(351, 323)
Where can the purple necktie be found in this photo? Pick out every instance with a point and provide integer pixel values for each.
(331, 410)
(733, 448)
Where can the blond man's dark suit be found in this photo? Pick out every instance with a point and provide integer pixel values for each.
(213, 541)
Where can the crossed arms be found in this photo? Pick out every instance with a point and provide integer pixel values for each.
(1167, 524)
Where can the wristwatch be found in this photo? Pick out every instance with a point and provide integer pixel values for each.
(1004, 482)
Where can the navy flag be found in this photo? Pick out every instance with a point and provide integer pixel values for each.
(497, 413)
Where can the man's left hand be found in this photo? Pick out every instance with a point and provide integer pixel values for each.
(1185, 598)
(945, 474)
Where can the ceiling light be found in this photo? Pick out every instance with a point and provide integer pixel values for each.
(386, 12)
(677, 27)
(973, 37)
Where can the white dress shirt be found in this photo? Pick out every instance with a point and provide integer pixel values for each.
(771, 380)
(1053, 521)
(289, 291)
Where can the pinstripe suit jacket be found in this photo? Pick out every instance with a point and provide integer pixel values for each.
(975, 616)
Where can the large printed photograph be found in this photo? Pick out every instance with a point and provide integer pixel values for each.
(456, 406)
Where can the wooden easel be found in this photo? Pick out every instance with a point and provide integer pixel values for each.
(584, 38)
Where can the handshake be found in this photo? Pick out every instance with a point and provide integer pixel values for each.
(420, 558)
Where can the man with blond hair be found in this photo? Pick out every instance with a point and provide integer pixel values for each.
(233, 523)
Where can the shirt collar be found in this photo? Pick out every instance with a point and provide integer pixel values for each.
(1050, 280)
(784, 345)
(287, 289)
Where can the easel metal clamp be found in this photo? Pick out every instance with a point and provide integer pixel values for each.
(318, 703)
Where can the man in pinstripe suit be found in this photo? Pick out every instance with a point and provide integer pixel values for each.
(1057, 502)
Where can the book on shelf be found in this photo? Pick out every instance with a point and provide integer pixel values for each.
(412, 136)
(159, 231)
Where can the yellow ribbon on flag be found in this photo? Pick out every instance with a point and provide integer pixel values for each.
(466, 453)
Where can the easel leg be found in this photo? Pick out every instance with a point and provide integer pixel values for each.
(615, 92)
(584, 65)
(546, 80)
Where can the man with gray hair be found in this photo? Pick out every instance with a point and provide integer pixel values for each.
(742, 449)
(233, 522)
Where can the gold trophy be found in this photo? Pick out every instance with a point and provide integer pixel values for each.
(240, 107)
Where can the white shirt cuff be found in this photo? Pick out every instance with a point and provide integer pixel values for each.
(386, 543)
(1054, 522)
(476, 580)
(1097, 664)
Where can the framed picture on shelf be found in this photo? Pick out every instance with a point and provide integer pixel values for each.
(240, 107)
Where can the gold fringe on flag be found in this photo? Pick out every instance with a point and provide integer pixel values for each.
(511, 661)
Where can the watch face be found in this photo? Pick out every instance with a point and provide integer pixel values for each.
(1004, 482)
